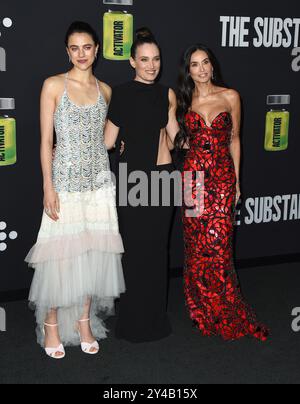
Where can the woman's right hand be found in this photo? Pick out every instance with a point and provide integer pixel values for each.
(51, 203)
(54, 152)
(122, 148)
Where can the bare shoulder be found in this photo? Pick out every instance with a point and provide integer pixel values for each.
(106, 90)
(172, 94)
(172, 97)
(54, 85)
(232, 95)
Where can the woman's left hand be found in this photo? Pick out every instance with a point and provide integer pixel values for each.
(122, 148)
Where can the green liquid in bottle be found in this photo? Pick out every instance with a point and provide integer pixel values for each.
(277, 131)
(277, 124)
(117, 35)
(8, 148)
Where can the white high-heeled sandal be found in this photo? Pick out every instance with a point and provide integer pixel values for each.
(53, 351)
(85, 346)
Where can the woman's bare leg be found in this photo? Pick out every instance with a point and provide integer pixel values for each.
(85, 327)
(52, 339)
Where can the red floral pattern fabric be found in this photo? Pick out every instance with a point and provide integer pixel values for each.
(211, 285)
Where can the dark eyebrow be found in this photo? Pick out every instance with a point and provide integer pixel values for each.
(195, 61)
(147, 57)
(77, 46)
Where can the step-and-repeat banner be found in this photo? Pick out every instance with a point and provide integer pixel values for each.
(258, 47)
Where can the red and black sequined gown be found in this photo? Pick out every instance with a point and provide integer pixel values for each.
(211, 285)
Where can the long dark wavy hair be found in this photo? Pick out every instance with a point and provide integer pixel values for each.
(186, 87)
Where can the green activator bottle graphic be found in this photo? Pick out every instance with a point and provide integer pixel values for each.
(117, 35)
(8, 149)
(277, 123)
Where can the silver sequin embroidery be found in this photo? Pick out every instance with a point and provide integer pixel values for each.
(81, 160)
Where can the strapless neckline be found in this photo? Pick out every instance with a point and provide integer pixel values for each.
(213, 121)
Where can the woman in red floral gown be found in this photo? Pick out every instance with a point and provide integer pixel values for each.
(209, 117)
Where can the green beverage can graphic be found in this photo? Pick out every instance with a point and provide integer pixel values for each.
(117, 35)
(8, 149)
(277, 123)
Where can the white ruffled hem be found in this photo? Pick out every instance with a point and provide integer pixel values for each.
(67, 284)
(70, 246)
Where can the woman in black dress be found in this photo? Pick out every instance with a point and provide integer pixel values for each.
(142, 113)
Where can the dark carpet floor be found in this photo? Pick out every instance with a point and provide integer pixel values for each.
(184, 358)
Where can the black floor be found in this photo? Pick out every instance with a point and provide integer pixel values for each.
(185, 357)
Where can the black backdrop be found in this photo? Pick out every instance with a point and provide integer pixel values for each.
(34, 50)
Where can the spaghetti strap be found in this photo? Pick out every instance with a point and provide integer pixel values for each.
(66, 81)
(98, 88)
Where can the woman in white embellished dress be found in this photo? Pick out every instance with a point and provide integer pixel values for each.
(77, 257)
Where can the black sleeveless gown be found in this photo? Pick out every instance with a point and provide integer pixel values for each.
(141, 112)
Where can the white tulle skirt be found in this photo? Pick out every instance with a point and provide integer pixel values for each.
(75, 259)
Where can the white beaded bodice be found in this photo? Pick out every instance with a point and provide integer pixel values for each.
(81, 160)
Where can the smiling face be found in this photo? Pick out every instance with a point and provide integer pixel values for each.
(201, 69)
(147, 63)
(82, 50)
